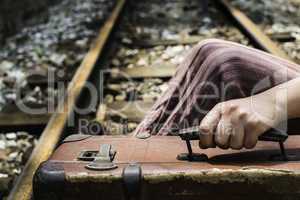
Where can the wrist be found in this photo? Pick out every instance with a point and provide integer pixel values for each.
(274, 106)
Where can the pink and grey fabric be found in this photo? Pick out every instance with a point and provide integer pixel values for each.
(214, 71)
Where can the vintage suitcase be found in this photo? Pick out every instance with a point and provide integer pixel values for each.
(124, 167)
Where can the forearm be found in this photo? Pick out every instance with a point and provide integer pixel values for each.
(293, 97)
(286, 97)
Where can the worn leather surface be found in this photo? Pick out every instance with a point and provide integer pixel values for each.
(164, 149)
(228, 174)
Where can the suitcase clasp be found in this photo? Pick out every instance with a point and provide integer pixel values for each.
(101, 160)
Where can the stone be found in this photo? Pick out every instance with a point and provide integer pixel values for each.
(165, 56)
(2, 145)
(163, 87)
(116, 62)
(131, 52)
(116, 87)
(6, 65)
(3, 155)
(109, 99)
(130, 66)
(18, 75)
(58, 59)
(142, 62)
(10, 97)
(11, 144)
(126, 41)
(121, 97)
(17, 171)
(143, 135)
(9, 81)
(12, 156)
(23, 144)
(11, 136)
(132, 126)
(207, 20)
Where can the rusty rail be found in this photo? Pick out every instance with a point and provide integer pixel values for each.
(253, 31)
(54, 130)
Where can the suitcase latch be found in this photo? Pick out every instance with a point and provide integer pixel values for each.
(101, 160)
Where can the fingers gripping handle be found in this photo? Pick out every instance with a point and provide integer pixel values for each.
(193, 133)
(272, 135)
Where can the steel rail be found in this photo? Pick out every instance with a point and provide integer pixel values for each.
(54, 129)
(253, 31)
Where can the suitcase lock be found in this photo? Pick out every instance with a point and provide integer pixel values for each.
(101, 160)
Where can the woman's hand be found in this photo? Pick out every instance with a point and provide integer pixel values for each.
(238, 123)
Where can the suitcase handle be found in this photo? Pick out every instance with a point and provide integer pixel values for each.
(193, 133)
(272, 135)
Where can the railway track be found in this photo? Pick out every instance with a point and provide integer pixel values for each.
(138, 63)
(278, 19)
(55, 45)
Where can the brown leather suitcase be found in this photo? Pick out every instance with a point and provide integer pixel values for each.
(124, 167)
